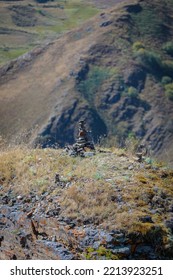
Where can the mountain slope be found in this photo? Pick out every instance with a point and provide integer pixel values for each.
(115, 71)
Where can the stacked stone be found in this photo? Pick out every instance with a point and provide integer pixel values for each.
(141, 152)
(82, 142)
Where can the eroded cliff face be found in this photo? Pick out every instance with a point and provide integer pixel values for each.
(98, 74)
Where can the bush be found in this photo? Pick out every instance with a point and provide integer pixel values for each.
(167, 67)
(169, 91)
(94, 80)
(166, 80)
(154, 63)
(132, 92)
(151, 59)
(137, 46)
(168, 48)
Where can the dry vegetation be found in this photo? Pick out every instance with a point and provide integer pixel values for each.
(110, 189)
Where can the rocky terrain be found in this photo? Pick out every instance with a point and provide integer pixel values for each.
(106, 205)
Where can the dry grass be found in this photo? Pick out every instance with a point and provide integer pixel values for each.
(100, 189)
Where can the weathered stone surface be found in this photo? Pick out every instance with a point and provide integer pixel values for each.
(135, 77)
(135, 8)
(105, 23)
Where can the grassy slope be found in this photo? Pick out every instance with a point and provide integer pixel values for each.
(41, 22)
(111, 189)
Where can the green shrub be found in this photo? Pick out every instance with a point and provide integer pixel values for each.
(154, 63)
(167, 67)
(169, 91)
(168, 48)
(150, 59)
(94, 80)
(132, 92)
(137, 46)
(101, 253)
(166, 80)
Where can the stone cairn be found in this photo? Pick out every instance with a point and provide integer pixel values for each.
(83, 143)
(141, 152)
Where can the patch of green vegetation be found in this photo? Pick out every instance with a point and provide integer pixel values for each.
(169, 91)
(168, 48)
(149, 59)
(166, 80)
(48, 23)
(98, 176)
(73, 15)
(122, 131)
(132, 92)
(101, 253)
(95, 78)
(153, 61)
(167, 67)
(148, 22)
(137, 46)
(9, 54)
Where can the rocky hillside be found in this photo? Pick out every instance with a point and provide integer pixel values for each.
(115, 71)
(105, 205)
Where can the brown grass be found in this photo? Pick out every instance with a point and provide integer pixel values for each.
(97, 188)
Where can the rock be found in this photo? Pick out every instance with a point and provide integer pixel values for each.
(57, 178)
(124, 250)
(29, 215)
(131, 167)
(145, 251)
(23, 241)
(1, 239)
(135, 77)
(96, 245)
(109, 239)
(134, 8)
(124, 18)
(54, 239)
(82, 143)
(5, 199)
(60, 251)
(156, 189)
(81, 75)
(53, 212)
(119, 237)
(105, 23)
(146, 219)
(157, 201)
(89, 154)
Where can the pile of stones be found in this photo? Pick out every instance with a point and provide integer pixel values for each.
(82, 144)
